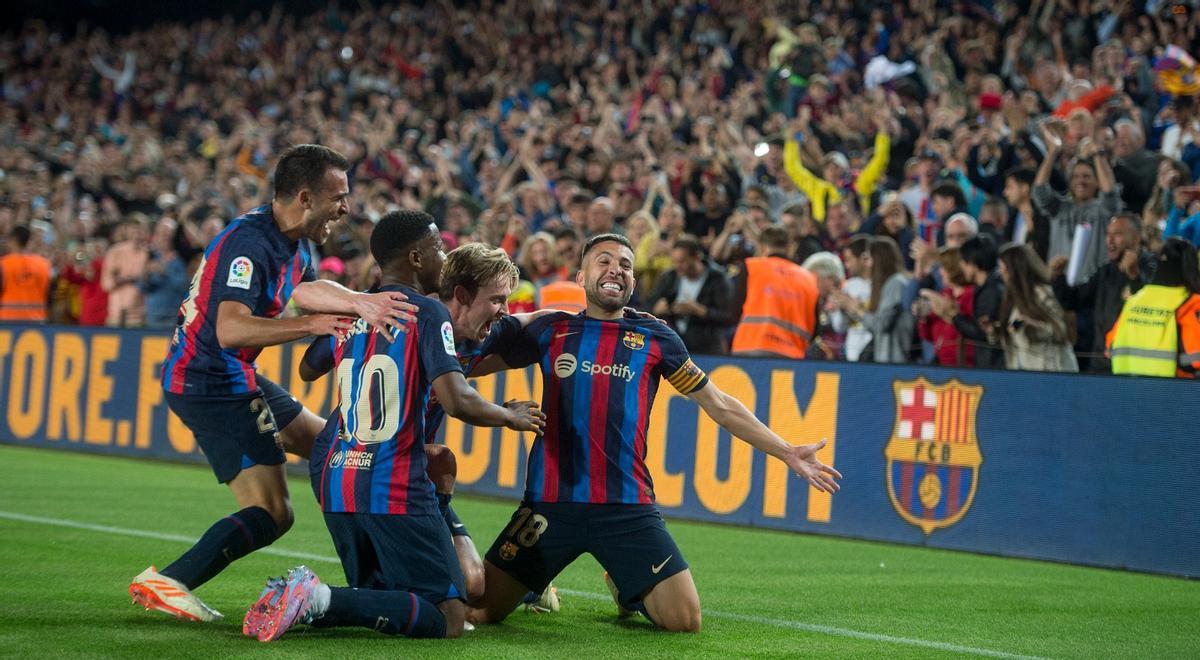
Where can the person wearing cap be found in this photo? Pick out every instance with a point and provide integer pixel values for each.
(332, 268)
(834, 182)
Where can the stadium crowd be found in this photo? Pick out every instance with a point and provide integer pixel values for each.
(964, 183)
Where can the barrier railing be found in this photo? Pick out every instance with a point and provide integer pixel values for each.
(1091, 470)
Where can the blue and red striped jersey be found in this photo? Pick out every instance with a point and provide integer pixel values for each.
(250, 262)
(471, 353)
(372, 452)
(599, 378)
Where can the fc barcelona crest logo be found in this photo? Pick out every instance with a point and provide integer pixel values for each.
(933, 456)
(634, 340)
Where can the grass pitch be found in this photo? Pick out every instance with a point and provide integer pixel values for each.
(74, 530)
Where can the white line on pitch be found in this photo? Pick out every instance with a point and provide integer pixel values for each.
(733, 616)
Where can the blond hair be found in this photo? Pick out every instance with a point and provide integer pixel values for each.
(474, 265)
(525, 258)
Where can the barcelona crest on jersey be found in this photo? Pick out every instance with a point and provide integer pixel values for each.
(634, 341)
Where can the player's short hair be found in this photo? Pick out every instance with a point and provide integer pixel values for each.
(21, 235)
(303, 166)
(474, 265)
(604, 238)
(397, 231)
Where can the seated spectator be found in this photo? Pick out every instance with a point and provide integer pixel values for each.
(695, 298)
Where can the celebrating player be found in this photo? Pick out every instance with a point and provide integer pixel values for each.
(369, 465)
(240, 419)
(587, 485)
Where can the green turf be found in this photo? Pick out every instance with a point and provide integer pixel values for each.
(769, 594)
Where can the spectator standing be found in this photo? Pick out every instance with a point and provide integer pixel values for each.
(857, 287)
(1093, 200)
(948, 346)
(891, 325)
(832, 322)
(1025, 224)
(85, 273)
(696, 298)
(979, 258)
(165, 283)
(1128, 269)
(121, 276)
(1033, 323)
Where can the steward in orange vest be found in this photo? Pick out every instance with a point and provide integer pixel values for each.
(24, 282)
(563, 295)
(779, 316)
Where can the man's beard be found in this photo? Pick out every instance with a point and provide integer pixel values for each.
(596, 297)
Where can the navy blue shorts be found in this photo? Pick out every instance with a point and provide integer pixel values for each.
(397, 553)
(238, 431)
(630, 541)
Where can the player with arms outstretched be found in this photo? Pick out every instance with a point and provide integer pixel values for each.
(369, 464)
(587, 485)
(241, 420)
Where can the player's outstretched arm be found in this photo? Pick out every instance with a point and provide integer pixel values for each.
(462, 402)
(237, 327)
(735, 418)
(385, 311)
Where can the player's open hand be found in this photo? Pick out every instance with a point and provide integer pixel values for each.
(526, 416)
(803, 461)
(329, 324)
(385, 311)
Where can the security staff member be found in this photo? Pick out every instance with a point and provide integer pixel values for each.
(24, 281)
(1158, 332)
(779, 312)
(562, 295)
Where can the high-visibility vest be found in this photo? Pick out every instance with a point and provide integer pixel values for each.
(1188, 316)
(780, 314)
(25, 279)
(564, 295)
(1145, 339)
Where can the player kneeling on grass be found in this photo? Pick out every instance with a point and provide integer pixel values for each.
(587, 486)
(476, 281)
(369, 464)
(242, 421)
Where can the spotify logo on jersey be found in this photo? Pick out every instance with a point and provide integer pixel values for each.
(564, 366)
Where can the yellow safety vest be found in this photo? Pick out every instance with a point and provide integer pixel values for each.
(1145, 339)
